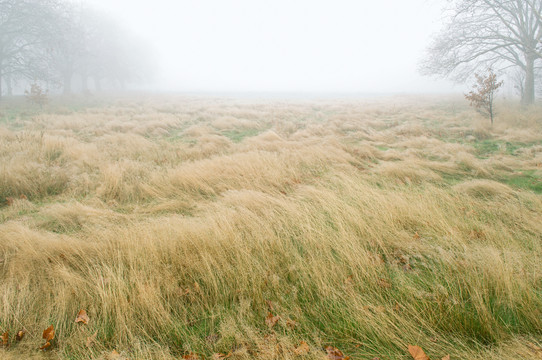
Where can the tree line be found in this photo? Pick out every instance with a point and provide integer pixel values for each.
(64, 47)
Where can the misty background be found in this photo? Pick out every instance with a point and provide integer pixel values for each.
(283, 46)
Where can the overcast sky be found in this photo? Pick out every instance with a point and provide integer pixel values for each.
(364, 46)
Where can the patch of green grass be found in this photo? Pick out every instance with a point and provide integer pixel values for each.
(485, 148)
(237, 135)
(527, 179)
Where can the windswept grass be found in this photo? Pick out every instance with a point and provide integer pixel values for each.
(179, 223)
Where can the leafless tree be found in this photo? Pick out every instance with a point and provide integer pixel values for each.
(481, 34)
(24, 24)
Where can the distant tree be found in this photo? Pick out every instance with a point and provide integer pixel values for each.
(498, 34)
(24, 25)
(483, 93)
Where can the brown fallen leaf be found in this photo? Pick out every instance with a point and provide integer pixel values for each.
(349, 281)
(46, 346)
(91, 339)
(417, 353)
(270, 305)
(82, 317)
(191, 356)
(20, 335)
(271, 320)
(335, 354)
(23, 197)
(302, 349)
(5, 339)
(291, 323)
(49, 333)
(447, 357)
(10, 201)
(220, 356)
(416, 236)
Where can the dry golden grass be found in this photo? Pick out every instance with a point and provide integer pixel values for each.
(372, 224)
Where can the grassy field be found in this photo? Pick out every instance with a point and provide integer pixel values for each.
(180, 223)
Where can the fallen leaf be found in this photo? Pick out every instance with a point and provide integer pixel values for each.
(447, 357)
(5, 339)
(23, 197)
(302, 349)
(20, 335)
(417, 353)
(46, 346)
(220, 356)
(349, 280)
(270, 305)
(49, 333)
(9, 201)
(82, 317)
(271, 320)
(91, 339)
(197, 288)
(291, 323)
(335, 354)
(191, 356)
(416, 236)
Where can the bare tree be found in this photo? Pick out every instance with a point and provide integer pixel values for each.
(480, 34)
(24, 24)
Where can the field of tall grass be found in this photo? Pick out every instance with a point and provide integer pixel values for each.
(191, 226)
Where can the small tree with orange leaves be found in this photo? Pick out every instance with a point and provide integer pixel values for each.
(483, 93)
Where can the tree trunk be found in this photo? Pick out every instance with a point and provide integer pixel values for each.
(98, 84)
(84, 84)
(67, 83)
(528, 95)
(9, 85)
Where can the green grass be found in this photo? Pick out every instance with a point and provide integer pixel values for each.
(237, 135)
(525, 179)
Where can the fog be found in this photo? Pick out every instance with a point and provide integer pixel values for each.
(284, 46)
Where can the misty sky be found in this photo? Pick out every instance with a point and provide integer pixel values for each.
(285, 45)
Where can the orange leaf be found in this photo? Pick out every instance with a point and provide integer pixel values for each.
(417, 353)
(302, 349)
(20, 334)
(271, 320)
(5, 338)
(335, 354)
(82, 317)
(191, 356)
(220, 356)
(9, 201)
(46, 346)
(49, 333)
(91, 339)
